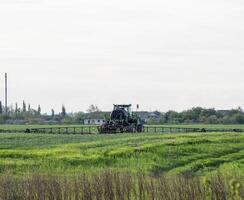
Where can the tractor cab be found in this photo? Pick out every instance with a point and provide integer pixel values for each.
(126, 108)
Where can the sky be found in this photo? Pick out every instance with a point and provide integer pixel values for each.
(161, 54)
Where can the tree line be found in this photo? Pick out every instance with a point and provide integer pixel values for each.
(25, 114)
(200, 115)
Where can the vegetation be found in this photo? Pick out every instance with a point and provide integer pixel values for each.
(122, 166)
(200, 154)
(24, 116)
(206, 116)
(119, 186)
(196, 115)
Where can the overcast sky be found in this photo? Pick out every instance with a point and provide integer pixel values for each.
(161, 54)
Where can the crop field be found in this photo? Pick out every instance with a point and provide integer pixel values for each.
(143, 166)
(199, 153)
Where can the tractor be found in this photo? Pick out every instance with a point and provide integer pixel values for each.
(122, 120)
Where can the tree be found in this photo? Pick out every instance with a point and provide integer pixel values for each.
(39, 109)
(53, 113)
(93, 108)
(212, 119)
(29, 108)
(63, 113)
(1, 108)
(16, 107)
(10, 109)
(238, 118)
(24, 106)
(240, 109)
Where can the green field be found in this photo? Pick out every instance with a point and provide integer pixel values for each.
(155, 154)
(122, 166)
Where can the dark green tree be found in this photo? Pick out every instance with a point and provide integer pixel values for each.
(29, 108)
(39, 109)
(238, 118)
(63, 113)
(16, 108)
(53, 113)
(24, 106)
(93, 108)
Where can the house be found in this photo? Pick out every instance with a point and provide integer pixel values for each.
(94, 121)
(148, 116)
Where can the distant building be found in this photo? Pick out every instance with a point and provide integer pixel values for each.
(148, 116)
(94, 121)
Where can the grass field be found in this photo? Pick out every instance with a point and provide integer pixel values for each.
(155, 154)
(122, 166)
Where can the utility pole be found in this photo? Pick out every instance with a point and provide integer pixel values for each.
(6, 92)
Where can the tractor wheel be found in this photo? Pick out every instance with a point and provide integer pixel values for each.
(139, 128)
(131, 129)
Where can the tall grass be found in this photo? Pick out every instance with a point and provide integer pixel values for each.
(110, 185)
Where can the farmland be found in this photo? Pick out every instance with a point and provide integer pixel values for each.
(148, 164)
(198, 153)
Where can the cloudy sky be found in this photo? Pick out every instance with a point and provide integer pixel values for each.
(162, 54)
